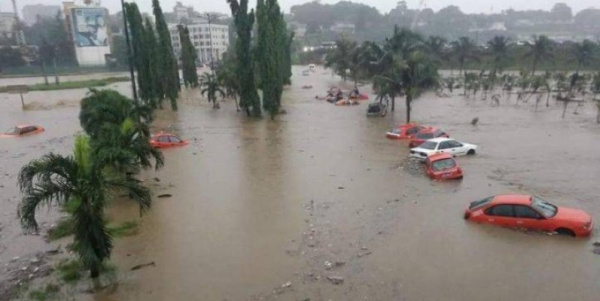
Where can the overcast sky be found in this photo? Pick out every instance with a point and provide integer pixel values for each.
(469, 6)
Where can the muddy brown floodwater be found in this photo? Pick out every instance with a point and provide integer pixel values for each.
(319, 205)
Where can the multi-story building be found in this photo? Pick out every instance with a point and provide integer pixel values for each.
(32, 12)
(7, 25)
(210, 40)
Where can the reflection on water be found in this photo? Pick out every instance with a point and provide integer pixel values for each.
(258, 203)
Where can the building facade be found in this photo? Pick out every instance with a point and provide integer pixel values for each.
(32, 12)
(210, 40)
(88, 28)
(7, 24)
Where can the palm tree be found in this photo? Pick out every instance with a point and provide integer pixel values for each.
(228, 79)
(464, 49)
(79, 183)
(407, 70)
(584, 53)
(210, 86)
(540, 49)
(436, 46)
(498, 47)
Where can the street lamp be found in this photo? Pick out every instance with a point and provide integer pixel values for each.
(129, 55)
(210, 17)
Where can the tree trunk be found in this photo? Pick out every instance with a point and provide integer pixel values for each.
(408, 103)
(393, 103)
(566, 101)
(55, 73)
(44, 73)
(598, 114)
(535, 61)
(95, 271)
(237, 107)
(548, 99)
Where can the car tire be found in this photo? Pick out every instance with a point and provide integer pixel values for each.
(565, 232)
(471, 152)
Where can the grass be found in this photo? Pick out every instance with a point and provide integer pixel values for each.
(46, 294)
(70, 270)
(125, 229)
(64, 228)
(91, 83)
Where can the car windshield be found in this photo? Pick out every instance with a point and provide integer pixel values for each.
(13, 131)
(428, 145)
(425, 135)
(546, 209)
(443, 164)
(395, 131)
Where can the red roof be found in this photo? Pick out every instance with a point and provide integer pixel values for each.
(518, 199)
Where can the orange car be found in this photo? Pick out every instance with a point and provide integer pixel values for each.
(442, 167)
(530, 212)
(165, 140)
(424, 135)
(22, 130)
(404, 131)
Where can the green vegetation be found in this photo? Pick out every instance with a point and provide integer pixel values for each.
(47, 293)
(167, 69)
(69, 270)
(63, 228)
(211, 88)
(92, 83)
(124, 229)
(188, 58)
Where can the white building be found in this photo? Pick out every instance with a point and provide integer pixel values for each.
(7, 23)
(201, 35)
(343, 28)
(181, 11)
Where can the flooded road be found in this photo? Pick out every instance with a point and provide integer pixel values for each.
(265, 210)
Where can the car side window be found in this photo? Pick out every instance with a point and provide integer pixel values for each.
(28, 129)
(444, 145)
(526, 212)
(174, 139)
(163, 139)
(501, 210)
(454, 143)
(413, 130)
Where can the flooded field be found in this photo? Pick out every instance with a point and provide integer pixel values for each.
(318, 205)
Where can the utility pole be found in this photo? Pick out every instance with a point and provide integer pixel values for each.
(129, 55)
(210, 17)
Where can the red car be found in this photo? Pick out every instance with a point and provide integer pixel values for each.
(404, 131)
(442, 167)
(164, 140)
(22, 130)
(426, 134)
(530, 212)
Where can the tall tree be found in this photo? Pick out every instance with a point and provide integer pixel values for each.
(584, 53)
(141, 59)
(211, 88)
(188, 57)
(155, 91)
(464, 49)
(79, 183)
(539, 50)
(338, 59)
(244, 21)
(168, 70)
(498, 47)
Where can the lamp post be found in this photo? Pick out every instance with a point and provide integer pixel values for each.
(212, 64)
(129, 55)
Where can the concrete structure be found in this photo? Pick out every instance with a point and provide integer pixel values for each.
(181, 11)
(87, 25)
(7, 24)
(343, 28)
(32, 12)
(200, 35)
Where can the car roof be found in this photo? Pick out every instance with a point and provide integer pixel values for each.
(439, 139)
(20, 126)
(440, 156)
(515, 199)
(427, 130)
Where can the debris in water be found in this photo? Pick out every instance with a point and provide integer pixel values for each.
(336, 280)
(287, 284)
(475, 121)
(141, 266)
(166, 195)
(340, 187)
(328, 265)
(364, 253)
(157, 179)
(596, 244)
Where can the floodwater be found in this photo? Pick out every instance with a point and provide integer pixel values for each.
(257, 203)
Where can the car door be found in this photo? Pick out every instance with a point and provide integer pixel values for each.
(175, 140)
(457, 148)
(443, 147)
(501, 215)
(527, 217)
(163, 141)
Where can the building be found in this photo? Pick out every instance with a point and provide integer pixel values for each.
(86, 22)
(202, 35)
(7, 25)
(32, 12)
(343, 28)
(299, 29)
(182, 12)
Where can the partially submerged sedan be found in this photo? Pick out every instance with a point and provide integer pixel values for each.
(22, 130)
(166, 140)
(404, 131)
(426, 134)
(530, 212)
(442, 167)
(442, 146)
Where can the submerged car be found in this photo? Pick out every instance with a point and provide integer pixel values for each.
(404, 131)
(442, 146)
(442, 167)
(426, 134)
(377, 109)
(22, 130)
(530, 212)
(165, 140)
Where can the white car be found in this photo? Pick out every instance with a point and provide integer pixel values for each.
(442, 145)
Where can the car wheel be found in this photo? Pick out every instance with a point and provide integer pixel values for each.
(471, 152)
(566, 232)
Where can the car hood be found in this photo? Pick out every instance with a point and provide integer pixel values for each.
(422, 150)
(572, 215)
